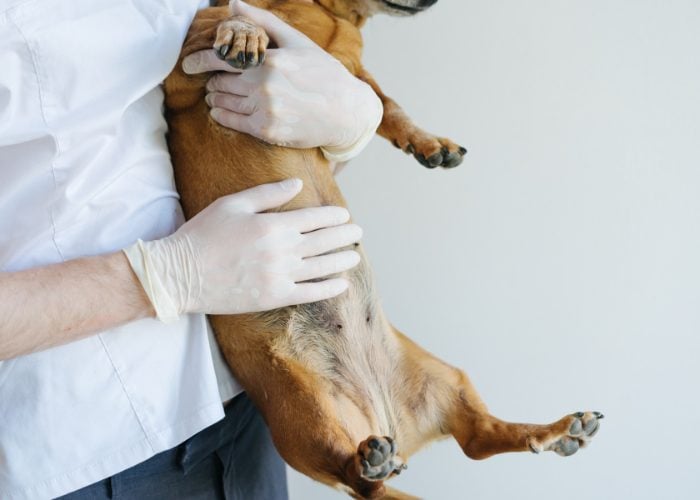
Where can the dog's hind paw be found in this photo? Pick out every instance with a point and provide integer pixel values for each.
(241, 43)
(377, 459)
(568, 435)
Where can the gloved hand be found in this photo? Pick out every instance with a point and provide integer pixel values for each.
(230, 259)
(301, 96)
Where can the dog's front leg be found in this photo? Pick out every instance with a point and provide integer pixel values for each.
(430, 151)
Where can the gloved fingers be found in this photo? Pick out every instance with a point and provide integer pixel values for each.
(278, 30)
(234, 84)
(267, 196)
(313, 292)
(331, 238)
(305, 220)
(206, 60)
(325, 265)
(231, 102)
(237, 121)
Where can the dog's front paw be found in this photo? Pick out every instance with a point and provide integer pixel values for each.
(431, 151)
(377, 459)
(241, 43)
(568, 435)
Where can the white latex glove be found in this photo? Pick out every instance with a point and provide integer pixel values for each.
(301, 96)
(230, 259)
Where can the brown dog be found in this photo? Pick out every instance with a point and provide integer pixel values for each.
(347, 397)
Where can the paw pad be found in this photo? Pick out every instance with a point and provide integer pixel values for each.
(377, 458)
(580, 429)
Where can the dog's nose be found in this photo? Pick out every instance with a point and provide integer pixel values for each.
(424, 4)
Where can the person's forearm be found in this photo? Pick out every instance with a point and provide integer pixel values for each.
(57, 304)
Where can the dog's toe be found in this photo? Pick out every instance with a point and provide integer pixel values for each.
(452, 159)
(240, 43)
(432, 152)
(436, 159)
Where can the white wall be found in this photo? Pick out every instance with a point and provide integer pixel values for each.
(559, 264)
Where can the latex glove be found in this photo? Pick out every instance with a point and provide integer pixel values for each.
(230, 259)
(301, 96)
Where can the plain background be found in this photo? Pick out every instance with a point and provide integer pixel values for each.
(559, 264)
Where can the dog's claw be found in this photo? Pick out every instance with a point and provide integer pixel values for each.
(223, 50)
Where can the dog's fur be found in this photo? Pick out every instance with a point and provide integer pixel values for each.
(347, 397)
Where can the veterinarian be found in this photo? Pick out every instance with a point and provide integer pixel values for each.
(111, 385)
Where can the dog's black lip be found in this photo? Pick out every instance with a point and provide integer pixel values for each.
(404, 8)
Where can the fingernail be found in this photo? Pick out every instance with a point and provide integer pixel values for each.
(190, 63)
(344, 214)
(339, 286)
(236, 3)
(215, 113)
(209, 99)
(355, 260)
(293, 184)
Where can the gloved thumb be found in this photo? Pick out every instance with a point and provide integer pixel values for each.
(283, 34)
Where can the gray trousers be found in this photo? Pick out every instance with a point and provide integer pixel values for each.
(233, 459)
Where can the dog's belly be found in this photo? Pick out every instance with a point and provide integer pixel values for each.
(348, 344)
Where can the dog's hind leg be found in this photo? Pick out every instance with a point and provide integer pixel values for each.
(442, 400)
(301, 413)
(482, 435)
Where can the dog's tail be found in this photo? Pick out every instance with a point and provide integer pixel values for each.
(393, 494)
(389, 494)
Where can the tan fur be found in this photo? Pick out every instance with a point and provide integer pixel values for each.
(330, 376)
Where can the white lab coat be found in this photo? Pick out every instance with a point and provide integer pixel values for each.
(84, 170)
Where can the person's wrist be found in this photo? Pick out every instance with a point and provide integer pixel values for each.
(138, 301)
(147, 261)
